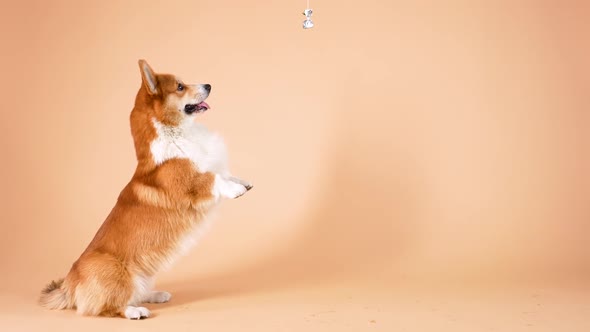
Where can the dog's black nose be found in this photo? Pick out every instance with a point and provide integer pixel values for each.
(208, 87)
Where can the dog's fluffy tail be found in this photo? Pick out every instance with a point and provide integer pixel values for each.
(54, 296)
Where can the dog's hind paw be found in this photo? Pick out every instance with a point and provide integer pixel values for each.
(132, 312)
(158, 297)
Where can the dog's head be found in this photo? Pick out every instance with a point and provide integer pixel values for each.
(169, 98)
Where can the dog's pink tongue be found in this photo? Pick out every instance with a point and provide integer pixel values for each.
(204, 104)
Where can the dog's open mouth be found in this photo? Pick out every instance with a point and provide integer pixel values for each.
(199, 108)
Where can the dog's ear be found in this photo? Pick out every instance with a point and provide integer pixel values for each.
(148, 77)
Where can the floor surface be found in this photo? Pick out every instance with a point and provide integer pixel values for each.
(334, 307)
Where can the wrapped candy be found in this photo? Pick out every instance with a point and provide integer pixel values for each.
(308, 23)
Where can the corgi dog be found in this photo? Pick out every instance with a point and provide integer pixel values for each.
(181, 174)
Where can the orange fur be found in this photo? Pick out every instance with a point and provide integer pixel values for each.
(157, 209)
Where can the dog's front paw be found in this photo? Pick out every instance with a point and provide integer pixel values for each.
(235, 190)
(227, 188)
(246, 184)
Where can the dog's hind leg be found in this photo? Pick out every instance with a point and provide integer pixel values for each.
(105, 288)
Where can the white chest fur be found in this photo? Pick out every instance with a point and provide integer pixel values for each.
(208, 153)
(192, 141)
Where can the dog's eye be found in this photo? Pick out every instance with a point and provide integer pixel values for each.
(180, 87)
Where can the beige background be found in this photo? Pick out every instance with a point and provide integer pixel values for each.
(417, 165)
